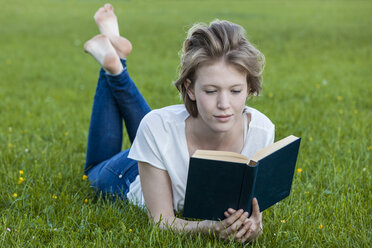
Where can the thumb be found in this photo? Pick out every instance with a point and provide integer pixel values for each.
(255, 207)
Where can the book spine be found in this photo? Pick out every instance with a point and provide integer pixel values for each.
(247, 188)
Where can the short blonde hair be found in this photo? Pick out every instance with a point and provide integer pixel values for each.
(220, 40)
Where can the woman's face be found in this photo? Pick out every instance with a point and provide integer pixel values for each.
(220, 92)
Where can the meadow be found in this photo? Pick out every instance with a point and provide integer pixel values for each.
(317, 85)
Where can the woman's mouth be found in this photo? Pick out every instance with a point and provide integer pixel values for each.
(223, 118)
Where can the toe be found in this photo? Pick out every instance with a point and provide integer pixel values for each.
(108, 7)
(99, 12)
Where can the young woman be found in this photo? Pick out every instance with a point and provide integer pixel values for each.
(219, 70)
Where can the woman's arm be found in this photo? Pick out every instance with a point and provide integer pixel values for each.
(157, 191)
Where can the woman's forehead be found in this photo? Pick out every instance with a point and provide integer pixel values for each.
(219, 72)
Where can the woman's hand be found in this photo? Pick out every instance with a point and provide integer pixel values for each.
(232, 227)
(237, 225)
(252, 227)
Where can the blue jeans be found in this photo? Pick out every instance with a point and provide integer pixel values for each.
(117, 98)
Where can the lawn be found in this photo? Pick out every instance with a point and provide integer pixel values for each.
(317, 85)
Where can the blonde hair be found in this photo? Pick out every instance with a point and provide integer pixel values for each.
(220, 40)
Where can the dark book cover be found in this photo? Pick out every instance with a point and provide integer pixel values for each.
(214, 186)
(275, 175)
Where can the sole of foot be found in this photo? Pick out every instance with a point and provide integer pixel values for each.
(108, 25)
(122, 46)
(103, 51)
(107, 21)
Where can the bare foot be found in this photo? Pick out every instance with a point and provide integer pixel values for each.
(103, 51)
(107, 23)
(122, 46)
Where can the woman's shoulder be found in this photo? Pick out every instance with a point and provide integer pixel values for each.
(168, 114)
(258, 119)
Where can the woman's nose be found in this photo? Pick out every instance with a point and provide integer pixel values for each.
(223, 101)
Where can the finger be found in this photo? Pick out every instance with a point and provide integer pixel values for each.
(247, 235)
(252, 233)
(255, 207)
(229, 212)
(243, 230)
(233, 218)
(237, 224)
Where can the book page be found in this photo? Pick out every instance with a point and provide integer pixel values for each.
(273, 147)
(221, 155)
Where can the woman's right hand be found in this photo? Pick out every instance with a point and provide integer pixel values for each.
(234, 226)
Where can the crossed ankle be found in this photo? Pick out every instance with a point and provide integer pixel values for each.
(114, 74)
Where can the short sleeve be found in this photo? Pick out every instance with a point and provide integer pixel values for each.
(271, 135)
(150, 138)
(261, 133)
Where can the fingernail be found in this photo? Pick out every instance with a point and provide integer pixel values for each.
(241, 210)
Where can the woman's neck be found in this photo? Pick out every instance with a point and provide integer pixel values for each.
(199, 136)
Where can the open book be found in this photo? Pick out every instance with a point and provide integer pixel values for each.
(218, 180)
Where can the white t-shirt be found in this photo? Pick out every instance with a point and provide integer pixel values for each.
(161, 142)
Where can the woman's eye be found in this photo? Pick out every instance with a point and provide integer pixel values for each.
(210, 91)
(236, 91)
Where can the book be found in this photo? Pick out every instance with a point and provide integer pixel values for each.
(218, 180)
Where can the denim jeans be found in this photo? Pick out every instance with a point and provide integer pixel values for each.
(117, 98)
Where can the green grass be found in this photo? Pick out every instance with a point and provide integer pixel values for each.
(317, 85)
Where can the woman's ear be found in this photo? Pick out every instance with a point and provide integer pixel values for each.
(190, 89)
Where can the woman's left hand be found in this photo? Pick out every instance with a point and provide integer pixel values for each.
(252, 226)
